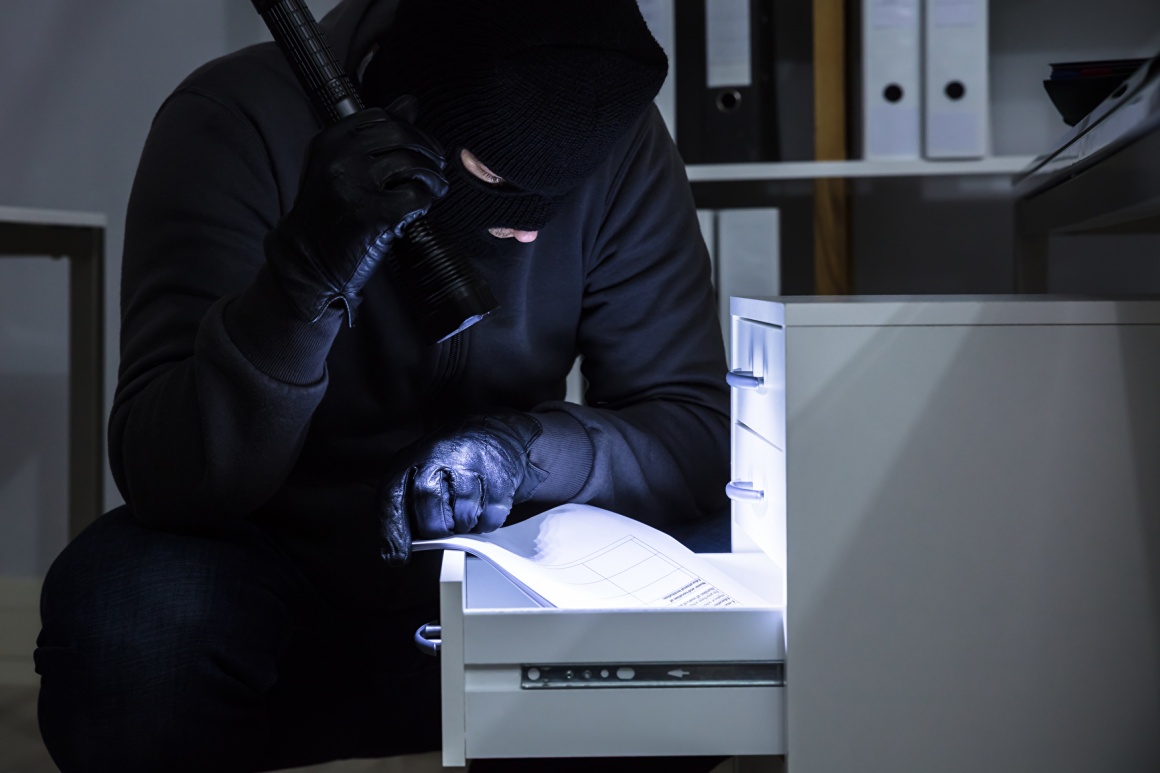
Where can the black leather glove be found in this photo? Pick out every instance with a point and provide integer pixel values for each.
(366, 178)
(460, 480)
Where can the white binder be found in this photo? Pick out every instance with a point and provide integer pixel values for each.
(891, 91)
(745, 251)
(748, 256)
(658, 15)
(957, 102)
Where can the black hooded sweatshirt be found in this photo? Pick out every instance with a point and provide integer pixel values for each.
(230, 406)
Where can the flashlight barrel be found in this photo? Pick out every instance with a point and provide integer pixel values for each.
(302, 43)
(446, 294)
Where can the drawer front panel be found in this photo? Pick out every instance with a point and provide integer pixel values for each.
(506, 721)
(759, 466)
(642, 636)
(757, 374)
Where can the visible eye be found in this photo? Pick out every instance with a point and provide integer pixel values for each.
(491, 179)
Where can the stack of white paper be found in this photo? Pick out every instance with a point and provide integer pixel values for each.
(583, 557)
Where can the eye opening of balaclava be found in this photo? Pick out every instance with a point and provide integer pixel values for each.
(538, 90)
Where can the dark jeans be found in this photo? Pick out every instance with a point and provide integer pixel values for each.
(178, 653)
(170, 652)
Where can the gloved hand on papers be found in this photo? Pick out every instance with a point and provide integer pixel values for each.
(463, 479)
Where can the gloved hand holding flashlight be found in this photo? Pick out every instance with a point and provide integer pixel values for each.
(367, 177)
(463, 479)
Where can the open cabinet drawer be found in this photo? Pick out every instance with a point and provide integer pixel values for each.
(520, 680)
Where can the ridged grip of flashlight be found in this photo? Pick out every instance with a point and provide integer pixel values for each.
(445, 293)
(297, 34)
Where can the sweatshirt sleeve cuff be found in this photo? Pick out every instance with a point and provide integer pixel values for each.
(565, 452)
(277, 341)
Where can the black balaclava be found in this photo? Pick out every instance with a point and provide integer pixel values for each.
(537, 90)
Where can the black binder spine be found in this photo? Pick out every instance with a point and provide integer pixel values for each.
(726, 122)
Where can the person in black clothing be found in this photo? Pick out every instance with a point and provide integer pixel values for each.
(279, 431)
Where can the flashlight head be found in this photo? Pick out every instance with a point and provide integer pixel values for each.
(445, 293)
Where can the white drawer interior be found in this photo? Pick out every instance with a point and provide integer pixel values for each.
(503, 626)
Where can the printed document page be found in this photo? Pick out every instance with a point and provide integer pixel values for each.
(583, 557)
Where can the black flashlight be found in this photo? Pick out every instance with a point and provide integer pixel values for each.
(444, 292)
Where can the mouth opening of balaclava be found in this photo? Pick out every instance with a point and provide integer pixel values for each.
(537, 90)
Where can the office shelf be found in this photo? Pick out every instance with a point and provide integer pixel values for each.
(80, 237)
(52, 217)
(1104, 177)
(815, 170)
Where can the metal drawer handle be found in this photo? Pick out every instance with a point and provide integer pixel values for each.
(743, 491)
(743, 379)
(428, 638)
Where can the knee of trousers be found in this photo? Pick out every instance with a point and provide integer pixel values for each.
(138, 639)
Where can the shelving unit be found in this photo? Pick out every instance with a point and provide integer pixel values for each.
(79, 237)
(833, 271)
(850, 225)
(817, 170)
(1103, 178)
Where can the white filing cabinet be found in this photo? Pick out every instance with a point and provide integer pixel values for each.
(955, 503)
(973, 531)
